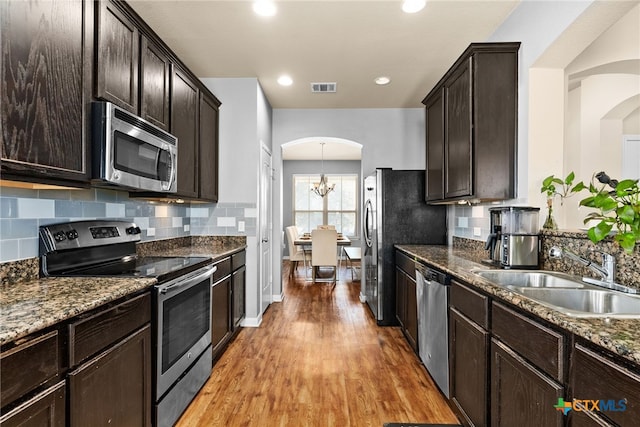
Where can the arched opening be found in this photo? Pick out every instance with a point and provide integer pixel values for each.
(303, 161)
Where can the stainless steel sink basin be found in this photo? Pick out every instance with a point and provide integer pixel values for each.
(565, 293)
(585, 302)
(530, 279)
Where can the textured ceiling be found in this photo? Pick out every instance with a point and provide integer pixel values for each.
(347, 42)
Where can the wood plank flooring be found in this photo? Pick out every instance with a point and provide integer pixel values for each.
(318, 359)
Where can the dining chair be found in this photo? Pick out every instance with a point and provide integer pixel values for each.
(324, 252)
(296, 253)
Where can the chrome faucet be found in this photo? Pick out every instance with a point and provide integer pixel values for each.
(607, 270)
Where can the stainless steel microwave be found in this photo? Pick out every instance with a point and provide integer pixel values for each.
(130, 152)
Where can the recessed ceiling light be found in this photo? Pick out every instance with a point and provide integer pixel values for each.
(382, 80)
(264, 7)
(285, 80)
(413, 6)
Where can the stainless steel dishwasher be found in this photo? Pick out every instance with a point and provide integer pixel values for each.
(432, 289)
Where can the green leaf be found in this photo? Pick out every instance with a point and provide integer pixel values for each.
(547, 181)
(627, 241)
(599, 232)
(589, 202)
(578, 187)
(569, 179)
(626, 214)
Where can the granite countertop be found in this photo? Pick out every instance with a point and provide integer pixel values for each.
(621, 336)
(27, 306)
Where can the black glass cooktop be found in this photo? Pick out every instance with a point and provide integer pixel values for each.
(161, 268)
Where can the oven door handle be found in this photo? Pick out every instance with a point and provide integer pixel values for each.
(189, 280)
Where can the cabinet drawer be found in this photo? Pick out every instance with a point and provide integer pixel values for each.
(96, 332)
(593, 376)
(540, 345)
(470, 303)
(406, 264)
(238, 260)
(27, 366)
(224, 269)
(46, 409)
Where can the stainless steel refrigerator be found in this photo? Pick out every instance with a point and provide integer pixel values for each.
(395, 212)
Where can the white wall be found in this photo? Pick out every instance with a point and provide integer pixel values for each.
(245, 121)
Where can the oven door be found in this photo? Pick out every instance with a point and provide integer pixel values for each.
(183, 328)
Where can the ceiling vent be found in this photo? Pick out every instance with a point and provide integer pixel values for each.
(323, 87)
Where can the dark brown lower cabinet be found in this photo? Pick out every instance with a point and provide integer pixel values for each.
(220, 315)
(595, 375)
(406, 299)
(238, 281)
(114, 388)
(468, 366)
(46, 409)
(521, 395)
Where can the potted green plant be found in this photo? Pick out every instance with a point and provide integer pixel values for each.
(618, 205)
(555, 186)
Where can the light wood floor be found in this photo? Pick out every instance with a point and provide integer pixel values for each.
(318, 359)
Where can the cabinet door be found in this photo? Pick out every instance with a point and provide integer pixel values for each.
(46, 88)
(238, 280)
(458, 151)
(401, 298)
(208, 140)
(184, 125)
(595, 374)
(435, 147)
(155, 70)
(411, 320)
(468, 343)
(220, 316)
(520, 394)
(114, 388)
(118, 44)
(46, 409)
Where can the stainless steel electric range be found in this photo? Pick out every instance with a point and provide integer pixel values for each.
(181, 321)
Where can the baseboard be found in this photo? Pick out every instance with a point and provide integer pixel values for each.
(363, 298)
(277, 297)
(252, 322)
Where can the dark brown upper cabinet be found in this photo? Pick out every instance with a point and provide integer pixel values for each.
(435, 146)
(46, 78)
(117, 58)
(184, 125)
(472, 148)
(208, 148)
(155, 73)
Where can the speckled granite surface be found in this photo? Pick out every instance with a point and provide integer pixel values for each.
(617, 335)
(29, 304)
(28, 307)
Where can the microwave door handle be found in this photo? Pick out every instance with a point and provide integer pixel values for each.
(174, 167)
(209, 272)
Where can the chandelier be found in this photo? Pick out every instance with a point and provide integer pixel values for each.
(322, 188)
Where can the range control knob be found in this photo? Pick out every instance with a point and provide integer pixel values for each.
(59, 236)
(71, 235)
(133, 230)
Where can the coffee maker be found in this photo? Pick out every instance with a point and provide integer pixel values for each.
(513, 240)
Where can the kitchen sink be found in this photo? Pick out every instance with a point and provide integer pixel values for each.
(565, 293)
(530, 279)
(585, 302)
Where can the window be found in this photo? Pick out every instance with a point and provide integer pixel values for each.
(339, 207)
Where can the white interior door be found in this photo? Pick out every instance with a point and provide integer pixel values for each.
(266, 228)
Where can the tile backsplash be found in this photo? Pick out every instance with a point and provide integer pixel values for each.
(22, 211)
